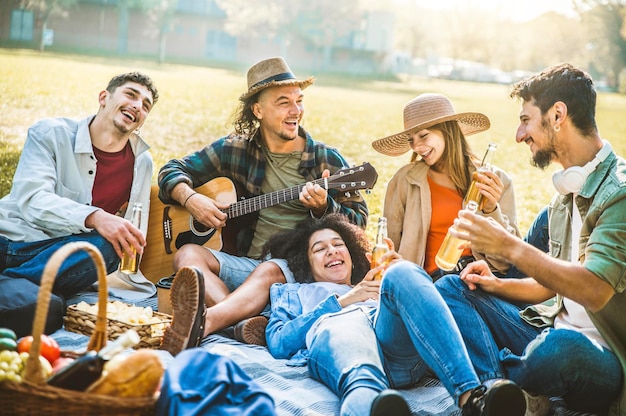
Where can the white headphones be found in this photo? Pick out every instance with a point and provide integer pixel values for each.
(572, 179)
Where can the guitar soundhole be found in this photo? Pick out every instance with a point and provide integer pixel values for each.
(198, 228)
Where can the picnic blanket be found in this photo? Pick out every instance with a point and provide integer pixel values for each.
(293, 391)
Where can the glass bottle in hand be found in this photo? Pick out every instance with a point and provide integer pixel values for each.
(86, 369)
(380, 248)
(130, 264)
(473, 193)
(449, 253)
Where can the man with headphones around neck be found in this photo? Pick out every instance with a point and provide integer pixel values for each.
(573, 348)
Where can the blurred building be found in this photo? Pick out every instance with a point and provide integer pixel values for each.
(193, 32)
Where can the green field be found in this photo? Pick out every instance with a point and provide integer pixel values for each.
(196, 105)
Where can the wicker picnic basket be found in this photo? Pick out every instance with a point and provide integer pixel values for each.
(150, 334)
(33, 396)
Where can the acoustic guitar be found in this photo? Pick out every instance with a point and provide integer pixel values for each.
(172, 226)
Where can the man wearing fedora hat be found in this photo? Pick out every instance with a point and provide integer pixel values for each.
(268, 151)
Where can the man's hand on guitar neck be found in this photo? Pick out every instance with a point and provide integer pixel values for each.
(315, 197)
(203, 209)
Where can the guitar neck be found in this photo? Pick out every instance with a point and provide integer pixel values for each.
(260, 202)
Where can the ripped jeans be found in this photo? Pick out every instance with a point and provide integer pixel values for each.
(552, 362)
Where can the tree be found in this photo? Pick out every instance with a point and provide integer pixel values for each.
(44, 9)
(321, 23)
(606, 33)
(271, 19)
(161, 14)
(324, 23)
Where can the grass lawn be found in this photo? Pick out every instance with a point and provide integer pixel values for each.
(196, 105)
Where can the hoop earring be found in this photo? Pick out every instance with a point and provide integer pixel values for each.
(557, 128)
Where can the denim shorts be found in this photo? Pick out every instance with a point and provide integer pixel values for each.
(235, 270)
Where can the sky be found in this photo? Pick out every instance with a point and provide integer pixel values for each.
(519, 10)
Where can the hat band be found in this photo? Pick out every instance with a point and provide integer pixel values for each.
(279, 77)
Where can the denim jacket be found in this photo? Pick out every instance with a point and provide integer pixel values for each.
(296, 308)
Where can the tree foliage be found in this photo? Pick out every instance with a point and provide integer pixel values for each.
(44, 9)
(321, 24)
(606, 33)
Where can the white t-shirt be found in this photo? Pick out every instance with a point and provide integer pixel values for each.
(574, 316)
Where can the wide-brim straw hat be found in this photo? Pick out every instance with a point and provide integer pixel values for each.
(424, 111)
(272, 72)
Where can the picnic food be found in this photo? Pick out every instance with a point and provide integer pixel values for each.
(88, 368)
(136, 375)
(7, 339)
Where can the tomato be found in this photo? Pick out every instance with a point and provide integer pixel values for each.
(50, 349)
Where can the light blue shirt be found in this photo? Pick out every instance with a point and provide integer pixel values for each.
(51, 191)
(296, 307)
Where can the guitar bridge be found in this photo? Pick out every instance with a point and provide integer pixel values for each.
(167, 231)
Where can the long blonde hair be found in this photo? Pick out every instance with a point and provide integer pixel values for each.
(458, 156)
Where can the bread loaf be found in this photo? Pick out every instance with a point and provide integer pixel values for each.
(137, 375)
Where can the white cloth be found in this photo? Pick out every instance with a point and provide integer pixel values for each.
(574, 316)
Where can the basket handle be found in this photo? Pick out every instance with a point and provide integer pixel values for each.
(98, 339)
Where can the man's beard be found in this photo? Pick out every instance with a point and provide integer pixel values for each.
(543, 157)
(287, 138)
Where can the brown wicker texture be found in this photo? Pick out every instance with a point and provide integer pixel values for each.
(34, 396)
(150, 335)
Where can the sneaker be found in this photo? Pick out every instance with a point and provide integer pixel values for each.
(503, 398)
(188, 311)
(536, 405)
(251, 330)
(390, 403)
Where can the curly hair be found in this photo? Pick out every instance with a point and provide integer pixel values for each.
(562, 82)
(293, 245)
(137, 77)
(244, 121)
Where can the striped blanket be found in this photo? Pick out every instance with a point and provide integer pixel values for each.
(293, 391)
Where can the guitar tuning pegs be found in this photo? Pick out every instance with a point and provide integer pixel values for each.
(347, 194)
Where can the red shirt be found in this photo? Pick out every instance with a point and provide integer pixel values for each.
(114, 177)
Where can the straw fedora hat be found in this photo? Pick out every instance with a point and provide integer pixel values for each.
(271, 72)
(425, 111)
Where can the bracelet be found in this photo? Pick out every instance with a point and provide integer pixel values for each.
(187, 199)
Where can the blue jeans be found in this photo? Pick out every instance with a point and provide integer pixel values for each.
(21, 269)
(551, 362)
(28, 260)
(412, 331)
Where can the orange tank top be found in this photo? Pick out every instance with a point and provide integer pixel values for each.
(445, 204)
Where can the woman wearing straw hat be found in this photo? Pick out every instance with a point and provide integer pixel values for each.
(424, 196)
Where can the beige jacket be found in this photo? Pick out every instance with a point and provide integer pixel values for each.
(407, 208)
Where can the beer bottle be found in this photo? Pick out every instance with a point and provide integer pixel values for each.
(380, 248)
(86, 369)
(130, 264)
(449, 253)
(473, 194)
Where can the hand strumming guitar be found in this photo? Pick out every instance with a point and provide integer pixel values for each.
(204, 209)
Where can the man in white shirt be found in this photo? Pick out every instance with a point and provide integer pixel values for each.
(73, 182)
